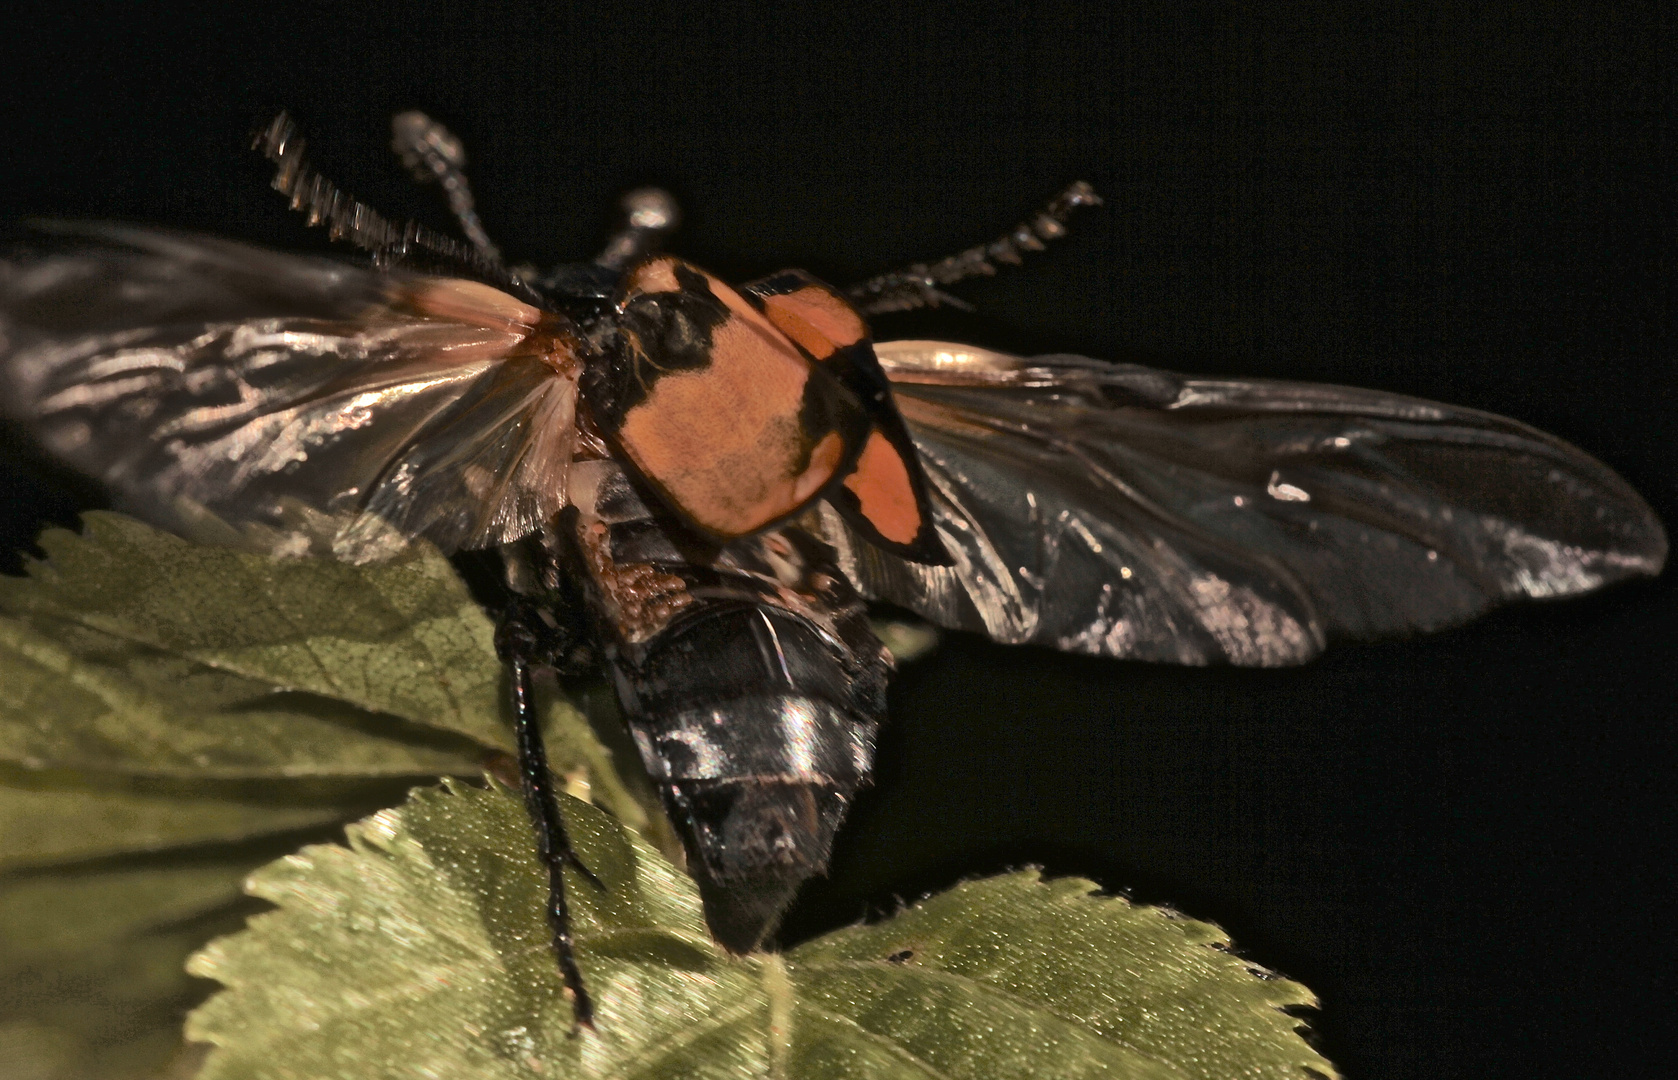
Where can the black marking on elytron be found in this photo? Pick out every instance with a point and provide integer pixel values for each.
(780, 284)
(858, 369)
(854, 365)
(676, 330)
(829, 406)
(658, 333)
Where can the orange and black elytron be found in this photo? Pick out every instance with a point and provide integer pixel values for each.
(698, 488)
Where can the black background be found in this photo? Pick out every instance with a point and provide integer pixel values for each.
(1461, 843)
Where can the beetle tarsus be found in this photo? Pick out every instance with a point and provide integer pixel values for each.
(578, 865)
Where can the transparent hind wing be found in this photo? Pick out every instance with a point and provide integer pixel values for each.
(303, 402)
(1121, 511)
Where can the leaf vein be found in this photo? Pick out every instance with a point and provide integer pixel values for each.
(692, 1033)
(908, 1056)
(910, 971)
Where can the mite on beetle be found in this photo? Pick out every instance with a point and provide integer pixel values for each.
(700, 486)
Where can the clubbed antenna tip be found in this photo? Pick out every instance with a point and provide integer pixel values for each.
(919, 285)
(432, 153)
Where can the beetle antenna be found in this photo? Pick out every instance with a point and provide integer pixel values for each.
(433, 154)
(318, 198)
(919, 285)
(649, 214)
(346, 218)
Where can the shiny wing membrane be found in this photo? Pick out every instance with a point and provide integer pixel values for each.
(1121, 511)
(303, 402)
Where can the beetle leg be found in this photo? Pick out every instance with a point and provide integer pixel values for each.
(521, 644)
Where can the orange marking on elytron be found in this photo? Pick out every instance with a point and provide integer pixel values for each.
(817, 319)
(725, 441)
(824, 461)
(881, 485)
(742, 310)
(659, 275)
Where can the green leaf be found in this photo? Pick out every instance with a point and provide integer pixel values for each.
(58, 819)
(157, 698)
(114, 1015)
(906, 639)
(1015, 954)
(403, 637)
(421, 950)
(132, 651)
(91, 979)
(80, 913)
(79, 698)
(108, 885)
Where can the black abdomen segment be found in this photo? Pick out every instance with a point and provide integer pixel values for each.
(758, 731)
(749, 678)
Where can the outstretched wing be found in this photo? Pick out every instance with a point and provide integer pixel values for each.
(213, 384)
(1121, 511)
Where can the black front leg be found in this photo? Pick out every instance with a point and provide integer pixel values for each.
(520, 642)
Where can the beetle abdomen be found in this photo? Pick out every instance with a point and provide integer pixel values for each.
(747, 722)
(751, 683)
